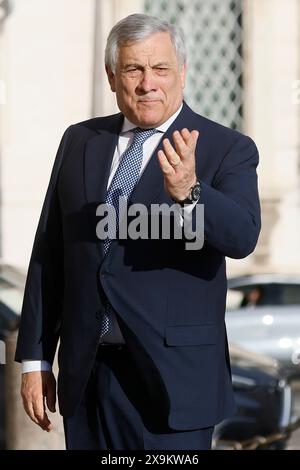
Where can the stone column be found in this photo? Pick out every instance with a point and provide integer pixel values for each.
(272, 119)
(46, 64)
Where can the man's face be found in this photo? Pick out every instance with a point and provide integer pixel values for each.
(148, 80)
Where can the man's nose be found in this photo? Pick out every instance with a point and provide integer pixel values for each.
(147, 82)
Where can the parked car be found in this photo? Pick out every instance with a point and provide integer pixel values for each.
(263, 315)
(263, 396)
(264, 401)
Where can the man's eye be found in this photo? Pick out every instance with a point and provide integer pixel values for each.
(132, 71)
(161, 70)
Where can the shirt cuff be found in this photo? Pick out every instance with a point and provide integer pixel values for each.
(186, 213)
(188, 208)
(33, 366)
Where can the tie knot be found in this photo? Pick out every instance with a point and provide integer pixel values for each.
(141, 135)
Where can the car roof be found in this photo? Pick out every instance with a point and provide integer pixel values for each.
(270, 309)
(268, 278)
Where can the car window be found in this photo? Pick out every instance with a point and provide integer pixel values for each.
(290, 294)
(263, 294)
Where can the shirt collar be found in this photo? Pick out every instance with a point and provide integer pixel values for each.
(128, 126)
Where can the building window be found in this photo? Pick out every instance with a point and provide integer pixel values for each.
(213, 31)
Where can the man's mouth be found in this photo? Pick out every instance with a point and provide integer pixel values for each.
(148, 101)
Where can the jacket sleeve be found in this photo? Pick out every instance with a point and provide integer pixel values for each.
(42, 303)
(231, 204)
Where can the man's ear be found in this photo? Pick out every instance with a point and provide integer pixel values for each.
(111, 78)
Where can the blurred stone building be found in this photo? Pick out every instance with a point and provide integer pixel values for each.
(243, 71)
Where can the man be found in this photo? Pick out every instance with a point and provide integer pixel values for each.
(143, 352)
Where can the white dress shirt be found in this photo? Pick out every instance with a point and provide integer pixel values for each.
(124, 141)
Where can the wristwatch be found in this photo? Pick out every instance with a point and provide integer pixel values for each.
(193, 196)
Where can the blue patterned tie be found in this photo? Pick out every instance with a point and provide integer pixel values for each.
(122, 185)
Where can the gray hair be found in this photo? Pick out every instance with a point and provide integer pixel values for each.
(137, 27)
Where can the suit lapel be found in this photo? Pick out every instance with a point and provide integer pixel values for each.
(98, 158)
(99, 154)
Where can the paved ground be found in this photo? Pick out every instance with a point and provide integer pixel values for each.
(294, 443)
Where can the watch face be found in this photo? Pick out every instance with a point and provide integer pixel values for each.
(196, 191)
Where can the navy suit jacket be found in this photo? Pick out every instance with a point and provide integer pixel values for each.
(170, 302)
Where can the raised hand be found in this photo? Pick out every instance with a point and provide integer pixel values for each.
(177, 163)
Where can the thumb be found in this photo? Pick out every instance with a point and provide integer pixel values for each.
(51, 398)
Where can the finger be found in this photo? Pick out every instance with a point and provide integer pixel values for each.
(51, 398)
(27, 403)
(44, 424)
(194, 139)
(190, 138)
(173, 157)
(29, 410)
(41, 415)
(51, 404)
(164, 163)
(181, 148)
(185, 133)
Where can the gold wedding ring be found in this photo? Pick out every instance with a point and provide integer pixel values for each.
(176, 164)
